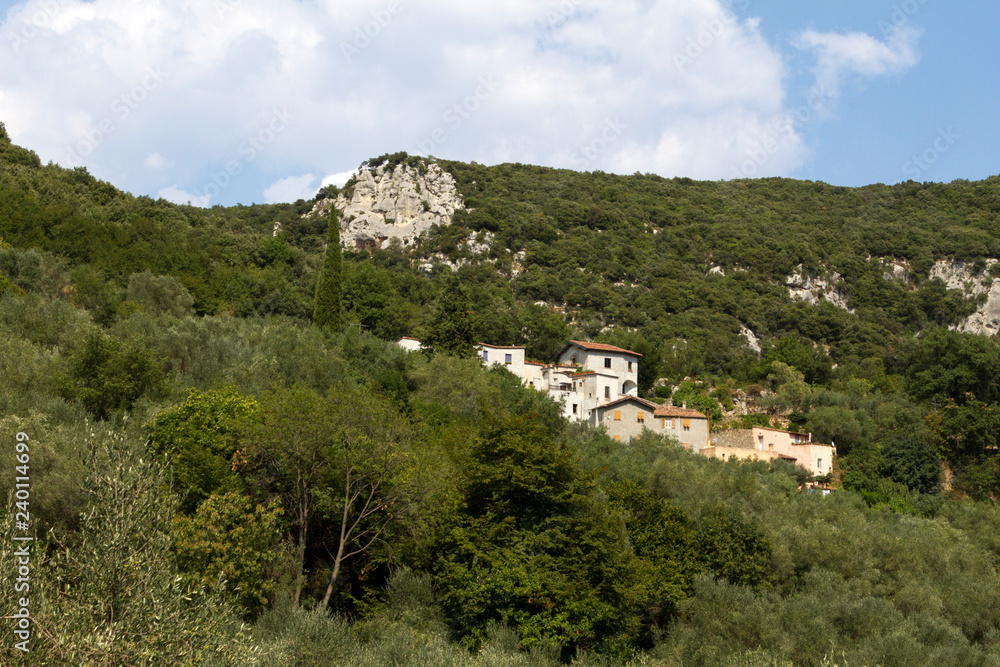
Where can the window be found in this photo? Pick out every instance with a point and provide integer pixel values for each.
(687, 424)
(819, 464)
(618, 415)
(486, 355)
(607, 392)
(607, 362)
(507, 359)
(641, 417)
(574, 408)
(630, 367)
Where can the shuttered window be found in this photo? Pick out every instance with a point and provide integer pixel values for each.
(618, 415)
(687, 424)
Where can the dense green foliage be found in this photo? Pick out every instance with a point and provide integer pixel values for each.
(214, 480)
(327, 312)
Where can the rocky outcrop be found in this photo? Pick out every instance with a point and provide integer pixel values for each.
(813, 288)
(961, 276)
(398, 203)
(970, 281)
(752, 341)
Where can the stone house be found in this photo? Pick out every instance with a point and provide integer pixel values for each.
(689, 426)
(625, 418)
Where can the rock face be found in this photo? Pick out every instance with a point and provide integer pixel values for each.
(813, 288)
(399, 203)
(961, 276)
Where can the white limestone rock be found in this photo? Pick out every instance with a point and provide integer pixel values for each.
(814, 288)
(399, 203)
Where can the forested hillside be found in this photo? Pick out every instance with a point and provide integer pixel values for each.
(215, 479)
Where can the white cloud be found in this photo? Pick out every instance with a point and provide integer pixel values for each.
(527, 81)
(178, 196)
(291, 189)
(157, 161)
(856, 53)
(338, 179)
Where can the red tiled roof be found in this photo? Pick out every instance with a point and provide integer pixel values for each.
(581, 374)
(501, 347)
(670, 411)
(601, 347)
(534, 363)
(409, 338)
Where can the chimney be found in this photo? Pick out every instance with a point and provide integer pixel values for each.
(684, 405)
(810, 437)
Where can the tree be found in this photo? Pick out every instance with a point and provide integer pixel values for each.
(337, 464)
(198, 436)
(452, 331)
(233, 540)
(106, 374)
(327, 312)
(735, 548)
(112, 595)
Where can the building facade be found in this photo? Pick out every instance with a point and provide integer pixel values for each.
(770, 443)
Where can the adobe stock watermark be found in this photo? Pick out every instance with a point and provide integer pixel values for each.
(456, 115)
(364, 35)
(22, 544)
(122, 107)
(587, 154)
(709, 34)
(249, 150)
(39, 20)
(901, 15)
(916, 166)
(756, 158)
(555, 18)
(224, 7)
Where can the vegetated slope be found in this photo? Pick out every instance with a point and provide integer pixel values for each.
(503, 528)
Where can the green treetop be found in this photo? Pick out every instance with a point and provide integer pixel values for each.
(327, 312)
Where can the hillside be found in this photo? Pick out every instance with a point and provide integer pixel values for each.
(165, 356)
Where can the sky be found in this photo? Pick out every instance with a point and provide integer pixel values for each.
(215, 102)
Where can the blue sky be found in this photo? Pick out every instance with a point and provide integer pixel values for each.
(244, 101)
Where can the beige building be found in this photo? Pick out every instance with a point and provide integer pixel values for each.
(766, 444)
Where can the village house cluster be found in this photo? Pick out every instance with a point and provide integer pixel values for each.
(598, 384)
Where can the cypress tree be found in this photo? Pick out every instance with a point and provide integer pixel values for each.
(327, 313)
(452, 330)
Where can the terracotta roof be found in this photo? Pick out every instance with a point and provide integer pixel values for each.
(501, 347)
(625, 399)
(534, 363)
(601, 347)
(409, 338)
(576, 375)
(670, 411)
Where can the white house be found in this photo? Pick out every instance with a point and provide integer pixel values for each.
(606, 359)
(410, 344)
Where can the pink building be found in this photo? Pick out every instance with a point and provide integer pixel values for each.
(814, 457)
